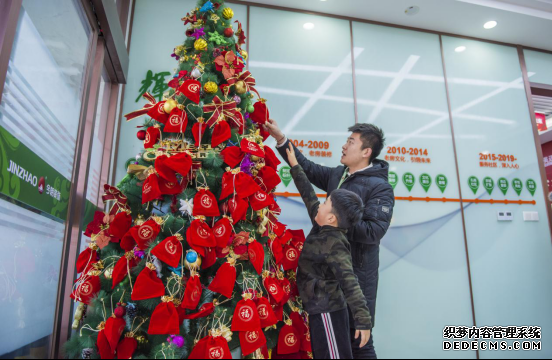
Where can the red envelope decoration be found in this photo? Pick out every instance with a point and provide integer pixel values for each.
(120, 225)
(164, 320)
(103, 346)
(245, 185)
(268, 179)
(250, 147)
(250, 341)
(221, 134)
(291, 258)
(150, 189)
(266, 314)
(147, 286)
(158, 113)
(224, 281)
(180, 163)
(169, 251)
(127, 347)
(200, 234)
(86, 289)
(192, 294)
(205, 310)
(217, 348)
(232, 156)
(288, 341)
(261, 114)
(114, 328)
(256, 255)
(246, 316)
(191, 89)
(120, 270)
(260, 200)
(238, 209)
(169, 188)
(198, 130)
(271, 159)
(145, 233)
(177, 122)
(205, 204)
(153, 135)
(222, 232)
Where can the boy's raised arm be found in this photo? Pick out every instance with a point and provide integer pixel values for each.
(306, 190)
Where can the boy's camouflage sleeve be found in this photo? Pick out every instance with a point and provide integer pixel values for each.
(306, 190)
(340, 262)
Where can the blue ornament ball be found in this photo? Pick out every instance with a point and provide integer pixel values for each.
(191, 257)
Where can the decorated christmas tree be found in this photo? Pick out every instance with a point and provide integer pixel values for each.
(190, 260)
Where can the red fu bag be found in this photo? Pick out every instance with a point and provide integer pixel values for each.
(147, 285)
(260, 200)
(103, 346)
(232, 156)
(164, 320)
(225, 280)
(86, 289)
(205, 310)
(250, 341)
(86, 259)
(169, 188)
(180, 163)
(228, 182)
(246, 316)
(291, 258)
(222, 232)
(152, 136)
(114, 328)
(127, 347)
(158, 113)
(192, 294)
(150, 189)
(205, 204)
(120, 225)
(274, 289)
(288, 341)
(256, 255)
(245, 185)
(221, 133)
(250, 147)
(200, 234)
(178, 120)
(217, 348)
(261, 114)
(238, 209)
(169, 251)
(268, 178)
(163, 169)
(144, 234)
(198, 130)
(266, 314)
(121, 268)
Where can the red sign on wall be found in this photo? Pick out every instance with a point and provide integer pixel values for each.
(541, 122)
(547, 155)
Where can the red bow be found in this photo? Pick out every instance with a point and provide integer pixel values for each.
(144, 110)
(248, 79)
(227, 109)
(112, 193)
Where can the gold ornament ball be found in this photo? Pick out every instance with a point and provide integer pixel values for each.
(108, 273)
(210, 87)
(200, 45)
(255, 158)
(244, 54)
(241, 88)
(169, 105)
(228, 13)
(194, 266)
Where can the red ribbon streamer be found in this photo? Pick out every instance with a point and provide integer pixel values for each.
(144, 110)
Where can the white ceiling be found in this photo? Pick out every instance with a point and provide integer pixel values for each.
(524, 22)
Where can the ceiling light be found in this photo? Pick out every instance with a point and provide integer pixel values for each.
(308, 26)
(490, 24)
(460, 49)
(413, 10)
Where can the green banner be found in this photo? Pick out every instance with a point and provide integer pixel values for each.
(531, 186)
(517, 185)
(425, 180)
(503, 185)
(409, 180)
(488, 184)
(473, 183)
(285, 175)
(393, 179)
(25, 177)
(442, 182)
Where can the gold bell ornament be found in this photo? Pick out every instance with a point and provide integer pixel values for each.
(169, 105)
(228, 13)
(200, 45)
(241, 88)
(210, 87)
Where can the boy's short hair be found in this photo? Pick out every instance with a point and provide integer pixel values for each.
(372, 137)
(347, 207)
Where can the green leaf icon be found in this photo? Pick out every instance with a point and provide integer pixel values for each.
(393, 179)
(503, 185)
(488, 184)
(531, 186)
(285, 175)
(473, 183)
(517, 185)
(409, 180)
(442, 182)
(425, 180)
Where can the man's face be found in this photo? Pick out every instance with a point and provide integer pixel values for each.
(353, 154)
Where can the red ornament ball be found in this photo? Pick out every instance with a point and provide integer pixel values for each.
(141, 135)
(119, 312)
(229, 32)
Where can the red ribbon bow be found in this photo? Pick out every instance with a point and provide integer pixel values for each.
(144, 110)
(223, 108)
(112, 193)
(248, 79)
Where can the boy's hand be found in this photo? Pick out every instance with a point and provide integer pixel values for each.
(291, 156)
(364, 337)
(274, 130)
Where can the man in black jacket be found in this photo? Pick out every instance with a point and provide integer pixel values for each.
(366, 176)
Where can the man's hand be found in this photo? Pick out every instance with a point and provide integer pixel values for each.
(364, 337)
(291, 156)
(274, 130)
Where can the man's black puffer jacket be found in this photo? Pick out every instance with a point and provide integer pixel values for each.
(377, 194)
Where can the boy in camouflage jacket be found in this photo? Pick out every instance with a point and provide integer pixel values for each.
(325, 278)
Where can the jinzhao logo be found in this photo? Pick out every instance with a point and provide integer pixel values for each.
(22, 174)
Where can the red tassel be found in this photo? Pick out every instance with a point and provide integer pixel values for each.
(256, 256)
(114, 328)
(169, 251)
(192, 294)
(164, 320)
(205, 204)
(147, 286)
(225, 280)
(246, 316)
(126, 348)
(250, 341)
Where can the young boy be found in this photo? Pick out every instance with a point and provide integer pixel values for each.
(325, 279)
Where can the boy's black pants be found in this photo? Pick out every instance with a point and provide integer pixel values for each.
(330, 335)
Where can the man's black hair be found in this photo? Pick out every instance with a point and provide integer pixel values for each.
(372, 137)
(347, 207)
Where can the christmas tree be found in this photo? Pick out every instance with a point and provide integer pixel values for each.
(190, 260)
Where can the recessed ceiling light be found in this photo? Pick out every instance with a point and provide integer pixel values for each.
(460, 49)
(490, 24)
(308, 26)
(413, 10)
